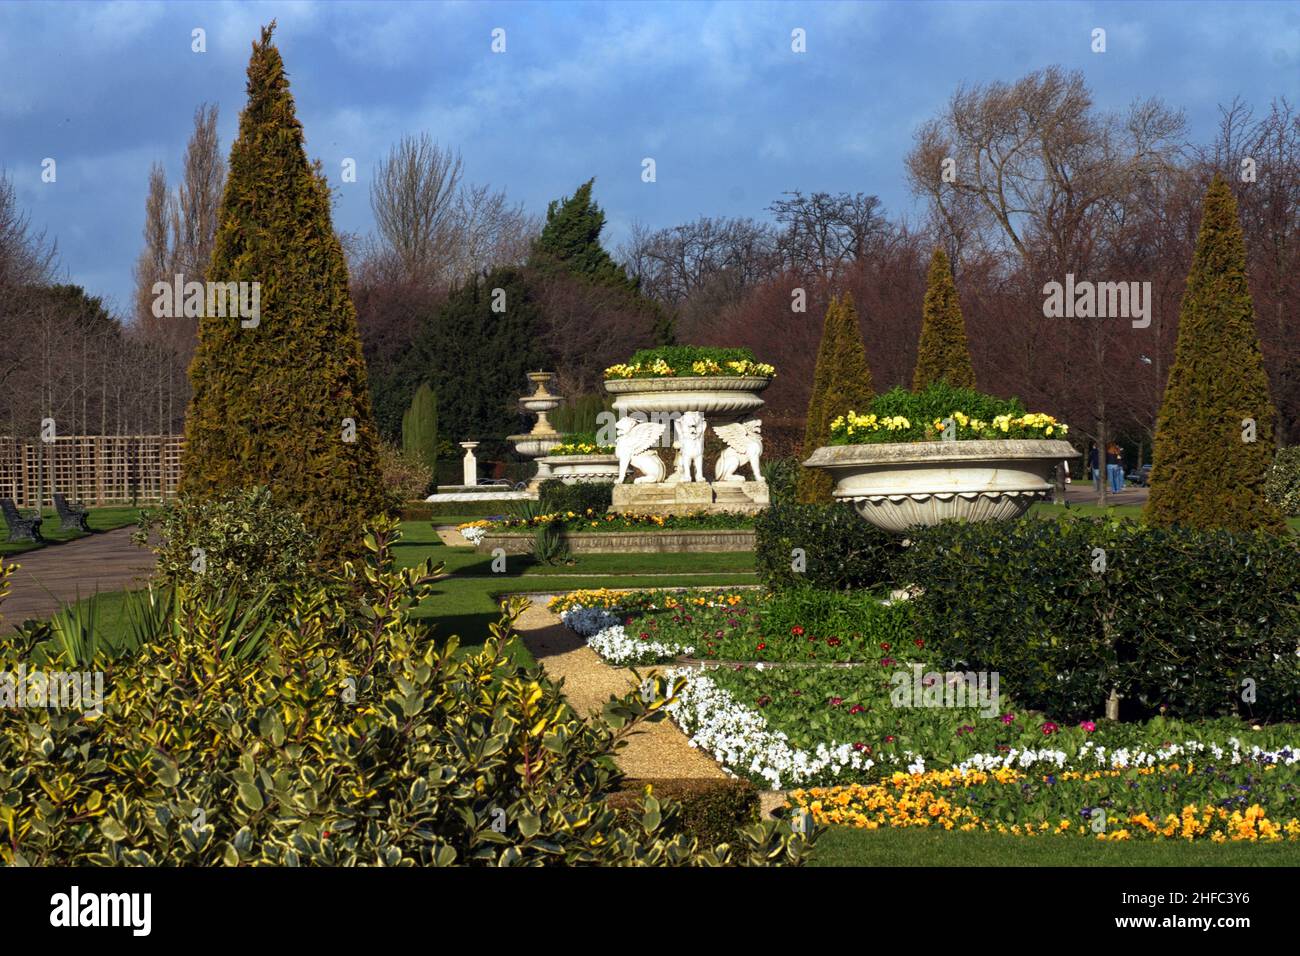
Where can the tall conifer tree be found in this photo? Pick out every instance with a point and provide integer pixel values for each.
(281, 399)
(943, 355)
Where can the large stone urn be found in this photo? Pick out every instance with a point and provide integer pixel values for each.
(573, 469)
(898, 486)
(675, 412)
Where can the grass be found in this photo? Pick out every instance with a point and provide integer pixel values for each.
(100, 519)
(844, 846)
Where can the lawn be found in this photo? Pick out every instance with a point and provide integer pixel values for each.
(844, 846)
(100, 519)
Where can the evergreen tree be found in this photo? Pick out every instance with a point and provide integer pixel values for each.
(280, 399)
(942, 354)
(570, 242)
(420, 427)
(1205, 473)
(476, 358)
(841, 383)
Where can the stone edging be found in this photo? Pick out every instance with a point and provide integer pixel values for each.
(621, 542)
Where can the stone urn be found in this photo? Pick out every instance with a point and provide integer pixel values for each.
(897, 486)
(717, 397)
(572, 469)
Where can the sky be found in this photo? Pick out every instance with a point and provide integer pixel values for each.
(712, 92)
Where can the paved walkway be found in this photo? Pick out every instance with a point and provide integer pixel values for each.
(1081, 492)
(661, 750)
(62, 573)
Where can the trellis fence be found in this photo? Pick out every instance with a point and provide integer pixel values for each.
(96, 469)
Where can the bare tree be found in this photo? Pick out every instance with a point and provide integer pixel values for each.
(414, 200)
(198, 199)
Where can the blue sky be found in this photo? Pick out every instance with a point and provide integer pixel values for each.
(711, 91)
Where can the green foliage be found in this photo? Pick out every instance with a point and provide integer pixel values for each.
(713, 811)
(245, 542)
(1175, 618)
(581, 443)
(681, 357)
(782, 477)
(271, 403)
(1282, 488)
(550, 546)
(579, 415)
(477, 361)
(841, 380)
(570, 242)
(838, 548)
(554, 495)
(942, 354)
(354, 740)
(420, 427)
(1205, 474)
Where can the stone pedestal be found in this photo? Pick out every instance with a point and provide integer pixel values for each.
(469, 467)
(685, 497)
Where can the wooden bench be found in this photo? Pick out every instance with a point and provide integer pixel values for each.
(73, 515)
(21, 527)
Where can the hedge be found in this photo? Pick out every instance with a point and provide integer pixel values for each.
(840, 549)
(1175, 619)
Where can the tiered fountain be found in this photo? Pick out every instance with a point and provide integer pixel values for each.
(537, 443)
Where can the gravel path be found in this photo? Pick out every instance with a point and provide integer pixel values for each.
(660, 750)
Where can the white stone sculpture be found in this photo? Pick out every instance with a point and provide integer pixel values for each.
(634, 439)
(744, 441)
(690, 443)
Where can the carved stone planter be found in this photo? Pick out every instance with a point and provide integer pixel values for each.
(897, 486)
(717, 397)
(596, 469)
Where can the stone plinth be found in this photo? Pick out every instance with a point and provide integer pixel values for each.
(685, 497)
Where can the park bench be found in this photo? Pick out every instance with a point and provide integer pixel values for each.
(73, 515)
(21, 527)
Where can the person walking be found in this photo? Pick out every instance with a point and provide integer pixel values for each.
(1094, 468)
(1115, 467)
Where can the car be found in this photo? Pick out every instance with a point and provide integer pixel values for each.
(1140, 476)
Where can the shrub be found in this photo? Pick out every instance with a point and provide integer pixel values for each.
(942, 354)
(782, 477)
(713, 810)
(405, 476)
(1205, 474)
(244, 542)
(354, 741)
(839, 549)
(1174, 619)
(554, 495)
(1282, 488)
(841, 380)
(420, 427)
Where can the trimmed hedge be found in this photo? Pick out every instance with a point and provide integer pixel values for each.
(840, 550)
(554, 495)
(1282, 487)
(712, 810)
(1176, 619)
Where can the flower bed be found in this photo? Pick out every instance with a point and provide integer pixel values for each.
(797, 727)
(798, 626)
(1222, 795)
(687, 361)
(903, 416)
(590, 520)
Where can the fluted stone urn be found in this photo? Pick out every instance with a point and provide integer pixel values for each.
(898, 486)
(718, 398)
(571, 469)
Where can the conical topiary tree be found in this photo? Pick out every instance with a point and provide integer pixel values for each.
(281, 399)
(1207, 472)
(942, 355)
(420, 427)
(841, 383)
